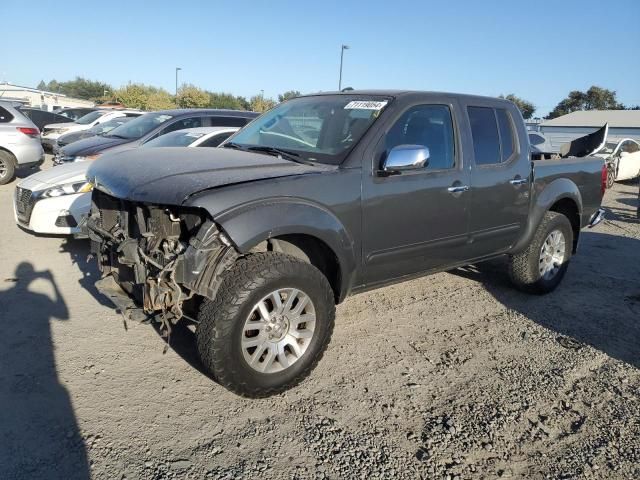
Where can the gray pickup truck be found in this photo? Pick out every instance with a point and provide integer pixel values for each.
(321, 197)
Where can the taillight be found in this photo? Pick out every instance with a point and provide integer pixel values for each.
(603, 179)
(31, 132)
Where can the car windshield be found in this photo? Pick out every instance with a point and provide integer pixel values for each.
(178, 138)
(90, 117)
(107, 126)
(609, 147)
(322, 128)
(140, 126)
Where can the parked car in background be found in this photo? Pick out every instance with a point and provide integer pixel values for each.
(321, 197)
(55, 201)
(193, 137)
(623, 160)
(41, 117)
(20, 146)
(147, 127)
(51, 133)
(540, 144)
(74, 113)
(99, 129)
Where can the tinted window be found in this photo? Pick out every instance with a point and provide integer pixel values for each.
(5, 116)
(536, 139)
(227, 122)
(484, 130)
(189, 122)
(506, 133)
(140, 126)
(215, 140)
(428, 125)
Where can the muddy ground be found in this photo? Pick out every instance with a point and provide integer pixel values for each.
(455, 375)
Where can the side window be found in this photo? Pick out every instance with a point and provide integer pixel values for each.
(215, 140)
(629, 147)
(5, 116)
(506, 133)
(428, 125)
(189, 122)
(484, 131)
(536, 139)
(228, 121)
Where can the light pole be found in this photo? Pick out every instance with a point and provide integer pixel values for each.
(177, 70)
(344, 47)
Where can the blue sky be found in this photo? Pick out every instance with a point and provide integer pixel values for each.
(539, 50)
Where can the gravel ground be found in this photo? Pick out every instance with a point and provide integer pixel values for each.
(451, 376)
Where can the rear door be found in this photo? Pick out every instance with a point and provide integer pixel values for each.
(500, 178)
(412, 221)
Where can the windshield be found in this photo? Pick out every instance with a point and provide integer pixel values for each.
(108, 126)
(90, 117)
(140, 126)
(322, 129)
(178, 138)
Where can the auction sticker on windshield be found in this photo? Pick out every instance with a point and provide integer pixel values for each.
(365, 105)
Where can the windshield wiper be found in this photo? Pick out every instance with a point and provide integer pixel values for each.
(279, 152)
(233, 145)
(111, 135)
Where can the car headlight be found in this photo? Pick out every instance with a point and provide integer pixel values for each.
(67, 189)
(84, 158)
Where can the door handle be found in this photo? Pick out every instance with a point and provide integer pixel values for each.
(518, 181)
(458, 189)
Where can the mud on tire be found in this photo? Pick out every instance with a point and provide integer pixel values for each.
(222, 332)
(524, 267)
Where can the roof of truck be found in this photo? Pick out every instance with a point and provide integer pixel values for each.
(400, 93)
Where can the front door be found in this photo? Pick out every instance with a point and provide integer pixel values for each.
(417, 219)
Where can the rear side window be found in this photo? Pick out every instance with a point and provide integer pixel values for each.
(228, 121)
(506, 133)
(5, 116)
(484, 130)
(189, 122)
(536, 139)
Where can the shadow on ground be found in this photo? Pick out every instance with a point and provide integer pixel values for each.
(39, 435)
(597, 304)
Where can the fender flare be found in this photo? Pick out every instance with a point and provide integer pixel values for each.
(249, 224)
(551, 193)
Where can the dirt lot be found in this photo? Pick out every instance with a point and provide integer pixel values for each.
(452, 376)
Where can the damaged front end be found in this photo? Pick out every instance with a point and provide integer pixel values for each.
(161, 256)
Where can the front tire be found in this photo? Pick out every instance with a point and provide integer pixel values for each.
(268, 326)
(542, 265)
(7, 167)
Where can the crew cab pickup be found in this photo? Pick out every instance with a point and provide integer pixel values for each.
(325, 196)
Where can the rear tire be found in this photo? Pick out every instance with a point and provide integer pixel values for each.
(7, 167)
(251, 339)
(541, 266)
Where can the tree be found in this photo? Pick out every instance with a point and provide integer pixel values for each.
(596, 98)
(227, 100)
(190, 96)
(526, 108)
(42, 85)
(288, 95)
(144, 97)
(78, 88)
(260, 104)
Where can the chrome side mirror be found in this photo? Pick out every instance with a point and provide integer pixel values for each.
(406, 157)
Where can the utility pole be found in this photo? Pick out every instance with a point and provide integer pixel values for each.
(177, 70)
(344, 47)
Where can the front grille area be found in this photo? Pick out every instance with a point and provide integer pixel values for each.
(24, 204)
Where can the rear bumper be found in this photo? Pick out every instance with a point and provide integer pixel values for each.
(596, 218)
(30, 165)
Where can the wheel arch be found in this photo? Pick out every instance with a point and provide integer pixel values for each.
(299, 228)
(562, 196)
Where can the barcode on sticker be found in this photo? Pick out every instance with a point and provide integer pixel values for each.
(365, 105)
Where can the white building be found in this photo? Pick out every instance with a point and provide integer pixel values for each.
(622, 124)
(32, 97)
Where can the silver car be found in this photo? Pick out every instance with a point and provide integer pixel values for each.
(20, 146)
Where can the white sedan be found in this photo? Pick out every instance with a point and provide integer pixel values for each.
(623, 158)
(56, 200)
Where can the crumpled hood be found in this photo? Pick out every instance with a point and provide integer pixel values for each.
(169, 175)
